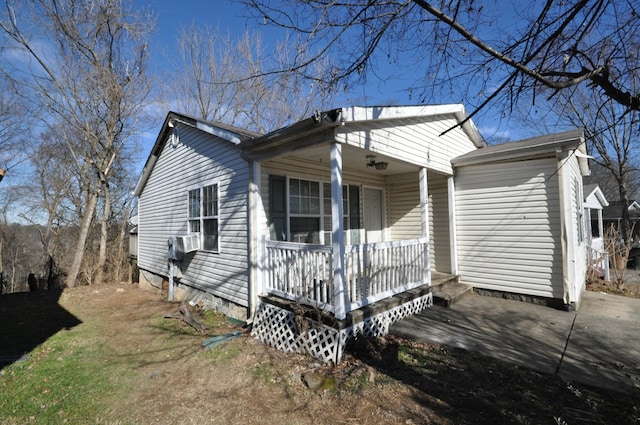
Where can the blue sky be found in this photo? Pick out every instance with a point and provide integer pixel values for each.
(229, 15)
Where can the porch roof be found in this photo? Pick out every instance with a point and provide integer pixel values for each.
(320, 128)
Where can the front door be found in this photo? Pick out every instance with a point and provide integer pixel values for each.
(373, 215)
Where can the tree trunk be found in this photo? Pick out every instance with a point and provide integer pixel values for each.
(1, 268)
(625, 222)
(122, 253)
(104, 235)
(81, 241)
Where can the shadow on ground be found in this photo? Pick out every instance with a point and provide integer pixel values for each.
(28, 319)
(466, 387)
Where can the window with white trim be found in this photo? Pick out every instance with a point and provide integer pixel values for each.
(300, 211)
(304, 211)
(327, 213)
(577, 192)
(203, 216)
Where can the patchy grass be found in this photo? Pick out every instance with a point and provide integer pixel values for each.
(124, 363)
(64, 381)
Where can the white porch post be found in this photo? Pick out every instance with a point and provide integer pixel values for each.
(600, 225)
(256, 242)
(424, 215)
(453, 245)
(341, 298)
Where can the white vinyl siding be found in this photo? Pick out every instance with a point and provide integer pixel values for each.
(508, 227)
(578, 250)
(417, 142)
(196, 161)
(439, 223)
(404, 210)
(405, 221)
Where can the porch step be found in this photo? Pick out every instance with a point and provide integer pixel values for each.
(449, 293)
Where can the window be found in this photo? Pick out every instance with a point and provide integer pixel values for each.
(577, 192)
(304, 211)
(327, 212)
(303, 215)
(203, 215)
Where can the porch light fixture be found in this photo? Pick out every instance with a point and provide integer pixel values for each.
(371, 162)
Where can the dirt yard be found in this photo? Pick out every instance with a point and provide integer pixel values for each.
(168, 378)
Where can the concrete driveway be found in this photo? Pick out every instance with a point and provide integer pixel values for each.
(598, 345)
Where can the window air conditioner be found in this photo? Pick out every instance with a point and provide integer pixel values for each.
(189, 243)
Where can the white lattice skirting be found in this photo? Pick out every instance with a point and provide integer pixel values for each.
(276, 327)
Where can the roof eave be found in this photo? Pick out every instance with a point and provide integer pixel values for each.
(280, 139)
(545, 148)
(171, 120)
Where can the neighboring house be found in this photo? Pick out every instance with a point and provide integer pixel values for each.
(597, 255)
(612, 214)
(519, 217)
(348, 217)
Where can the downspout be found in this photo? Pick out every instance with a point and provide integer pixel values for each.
(565, 224)
(172, 255)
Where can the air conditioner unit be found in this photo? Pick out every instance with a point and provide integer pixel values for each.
(189, 243)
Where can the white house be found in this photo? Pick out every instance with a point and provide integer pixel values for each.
(344, 219)
(597, 255)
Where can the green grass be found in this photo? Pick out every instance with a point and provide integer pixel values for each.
(62, 382)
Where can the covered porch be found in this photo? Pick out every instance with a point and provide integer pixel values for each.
(348, 230)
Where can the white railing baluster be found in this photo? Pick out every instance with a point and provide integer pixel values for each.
(303, 272)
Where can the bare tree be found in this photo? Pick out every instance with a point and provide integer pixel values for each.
(612, 132)
(222, 79)
(14, 131)
(601, 176)
(91, 77)
(46, 198)
(481, 51)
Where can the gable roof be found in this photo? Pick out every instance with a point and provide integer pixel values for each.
(541, 146)
(223, 131)
(325, 122)
(594, 197)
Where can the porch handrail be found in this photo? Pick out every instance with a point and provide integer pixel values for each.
(303, 272)
(598, 257)
(380, 270)
(299, 272)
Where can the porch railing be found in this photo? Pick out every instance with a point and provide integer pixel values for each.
(598, 258)
(299, 272)
(304, 273)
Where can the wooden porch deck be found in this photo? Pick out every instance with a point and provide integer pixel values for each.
(361, 314)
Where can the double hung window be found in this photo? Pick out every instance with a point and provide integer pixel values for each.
(304, 211)
(203, 216)
(300, 210)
